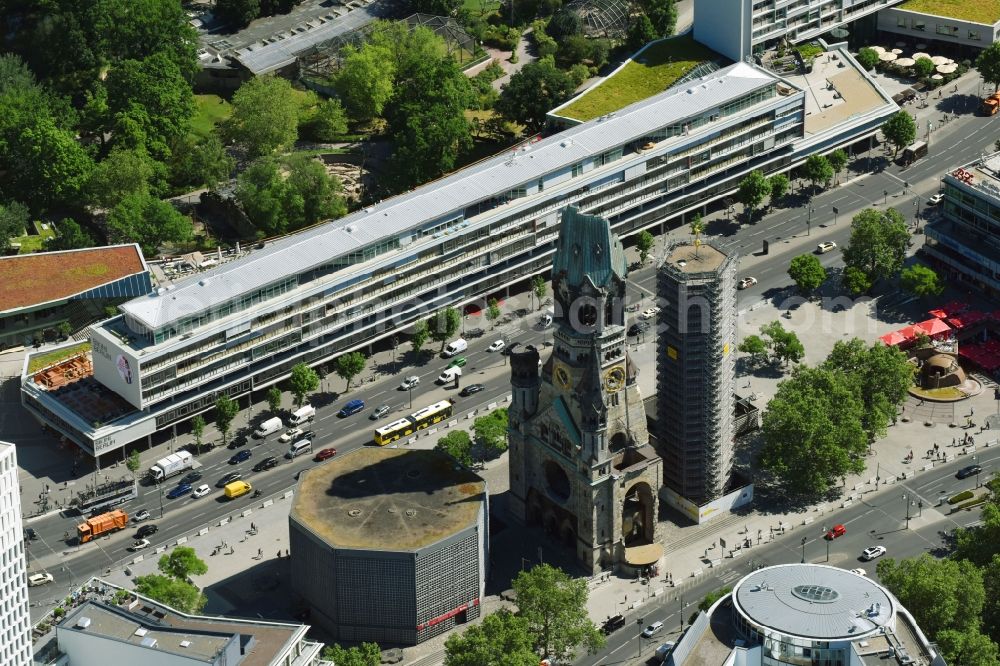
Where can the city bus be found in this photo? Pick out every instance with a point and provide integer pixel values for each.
(418, 420)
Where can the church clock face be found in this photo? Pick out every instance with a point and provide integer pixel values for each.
(614, 378)
(561, 377)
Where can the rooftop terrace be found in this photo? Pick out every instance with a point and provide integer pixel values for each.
(654, 69)
(977, 11)
(388, 499)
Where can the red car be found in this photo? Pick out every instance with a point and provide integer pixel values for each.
(837, 531)
(324, 454)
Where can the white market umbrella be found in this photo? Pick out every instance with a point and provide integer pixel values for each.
(887, 57)
(920, 54)
(905, 62)
(947, 69)
(878, 49)
(938, 77)
(898, 51)
(939, 60)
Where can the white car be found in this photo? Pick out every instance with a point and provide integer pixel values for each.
(34, 580)
(872, 552)
(649, 313)
(935, 199)
(652, 630)
(140, 516)
(860, 572)
(200, 491)
(746, 283)
(290, 434)
(826, 246)
(141, 544)
(409, 382)
(497, 346)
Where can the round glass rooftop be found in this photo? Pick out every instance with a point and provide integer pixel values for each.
(814, 601)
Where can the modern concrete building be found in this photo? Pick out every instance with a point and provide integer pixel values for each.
(40, 291)
(111, 625)
(965, 240)
(349, 283)
(580, 463)
(696, 368)
(741, 28)
(15, 618)
(973, 24)
(803, 614)
(390, 545)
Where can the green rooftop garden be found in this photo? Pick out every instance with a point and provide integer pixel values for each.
(41, 361)
(655, 70)
(977, 11)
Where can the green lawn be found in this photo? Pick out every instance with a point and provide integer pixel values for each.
(40, 361)
(209, 111)
(481, 7)
(661, 65)
(977, 11)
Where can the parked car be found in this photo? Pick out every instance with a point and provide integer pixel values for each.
(652, 630)
(266, 463)
(146, 531)
(228, 478)
(379, 412)
(837, 531)
(30, 534)
(498, 345)
(141, 544)
(650, 312)
(471, 389)
(325, 454)
(180, 490)
(872, 552)
(200, 491)
(242, 456)
(351, 407)
(34, 580)
(826, 246)
(638, 328)
(459, 362)
(967, 471)
(408, 383)
(746, 283)
(141, 515)
(935, 199)
(238, 441)
(191, 477)
(613, 623)
(290, 434)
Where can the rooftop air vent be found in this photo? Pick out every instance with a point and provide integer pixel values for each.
(185, 644)
(161, 290)
(566, 143)
(690, 91)
(83, 622)
(203, 282)
(141, 631)
(148, 641)
(349, 229)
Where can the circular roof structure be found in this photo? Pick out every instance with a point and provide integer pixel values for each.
(814, 601)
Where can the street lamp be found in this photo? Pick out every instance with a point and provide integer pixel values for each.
(809, 221)
(907, 501)
(803, 550)
(639, 621)
(409, 387)
(160, 494)
(975, 461)
(395, 342)
(885, 194)
(836, 211)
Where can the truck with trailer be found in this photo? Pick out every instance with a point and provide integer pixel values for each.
(105, 523)
(170, 466)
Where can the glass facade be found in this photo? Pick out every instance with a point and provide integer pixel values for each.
(780, 649)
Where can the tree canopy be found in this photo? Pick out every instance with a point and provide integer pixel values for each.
(988, 64)
(785, 345)
(226, 410)
(491, 431)
(302, 381)
(779, 186)
(175, 593)
(265, 116)
(501, 639)
(349, 366)
(182, 563)
(365, 81)
(900, 130)
(807, 273)
(878, 243)
(554, 607)
(818, 170)
(14, 220)
(69, 236)
(752, 191)
(366, 654)
(144, 219)
(812, 431)
(867, 57)
(443, 325)
(458, 445)
(755, 347)
(920, 280)
(532, 92)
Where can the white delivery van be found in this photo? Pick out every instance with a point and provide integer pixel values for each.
(268, 427)
(298, 448)
(456, 347)
(448, 375)
(303, 414)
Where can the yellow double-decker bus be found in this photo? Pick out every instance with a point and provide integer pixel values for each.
(418, 420)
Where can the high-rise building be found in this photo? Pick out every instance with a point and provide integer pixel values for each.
(696, 368)
(15, 619)
(580, 462)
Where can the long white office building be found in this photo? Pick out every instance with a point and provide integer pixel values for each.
(15, 617)
(347, 283)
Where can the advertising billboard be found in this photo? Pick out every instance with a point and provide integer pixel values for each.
(116, 366)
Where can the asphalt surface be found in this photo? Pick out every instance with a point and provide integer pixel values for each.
(965, 137)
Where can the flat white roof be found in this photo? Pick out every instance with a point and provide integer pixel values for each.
(492, 177)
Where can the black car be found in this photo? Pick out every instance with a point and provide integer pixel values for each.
(238, 441)
(266, 463)
(613, 623)
(638, 328)
(471, 389)
(968, 471)
(240, 457)
(146, 531)
(191, 477)
(228, 478)
(30, 534)
(509, 349)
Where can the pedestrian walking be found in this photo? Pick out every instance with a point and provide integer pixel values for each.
(260, 553)
(279, 553)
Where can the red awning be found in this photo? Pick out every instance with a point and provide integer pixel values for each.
(893, 339)
(933, 327)
(939, 313)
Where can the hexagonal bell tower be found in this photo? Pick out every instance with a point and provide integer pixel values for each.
(581, 465)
